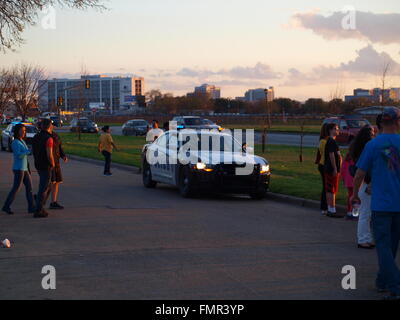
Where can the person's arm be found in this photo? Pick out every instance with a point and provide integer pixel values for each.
(49, 151)
(62, 153)
(364, 165)
(333, 162)
(357, 182)
(111, 141)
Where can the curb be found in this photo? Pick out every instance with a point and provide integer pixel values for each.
(300, 202)
(118, 166)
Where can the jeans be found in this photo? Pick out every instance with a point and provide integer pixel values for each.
(364, 234)
(19, 178)
(386, 227)
(107, 165)
(44, 189)
(324, 204)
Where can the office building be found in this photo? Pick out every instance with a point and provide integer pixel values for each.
(111, 92)
(211, 91)
(254, 95)
(375, 95)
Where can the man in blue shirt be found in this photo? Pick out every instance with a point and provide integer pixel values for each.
(381, 158)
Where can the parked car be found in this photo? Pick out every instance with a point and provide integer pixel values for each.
(196, 123)
(349, 126)
(7, 136)
(84, 125)
(135, 127)
(57, 122)
(213, 168)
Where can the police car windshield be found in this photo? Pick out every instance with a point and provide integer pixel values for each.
(211, 142)
(193, 121)
(355, 124)
(31, 129)
(138, 123)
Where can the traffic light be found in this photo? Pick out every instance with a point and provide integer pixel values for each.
(87, 84)
(60, 101)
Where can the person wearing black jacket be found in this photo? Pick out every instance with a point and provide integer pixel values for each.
(42, 148)
(56, 175)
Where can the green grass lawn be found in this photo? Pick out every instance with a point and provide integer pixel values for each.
(129, 147)
(289, 176)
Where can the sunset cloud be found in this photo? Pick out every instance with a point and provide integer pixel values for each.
(377, 28)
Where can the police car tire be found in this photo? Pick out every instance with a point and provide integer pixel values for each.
(186, 187)
(9, 146)
(148, 182)
(3, 148)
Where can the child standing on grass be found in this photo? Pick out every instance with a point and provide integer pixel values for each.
(105, 147)
(348, 184)
(333, 161)
(320, 161)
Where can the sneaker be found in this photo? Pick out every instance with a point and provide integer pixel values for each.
(333, 215)
(7, 210)
(108, 174)
(56, 205)
(40, 214)
(351, 218)
(324, 212)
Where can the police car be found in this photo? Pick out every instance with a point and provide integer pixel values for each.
(196, 161)
(7, 136)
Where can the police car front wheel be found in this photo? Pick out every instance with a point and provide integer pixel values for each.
(186, 185)
(148, 181)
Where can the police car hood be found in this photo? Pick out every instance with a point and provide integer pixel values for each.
(220, 157)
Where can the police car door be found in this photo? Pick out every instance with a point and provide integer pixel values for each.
(158, 166)
(172, 156)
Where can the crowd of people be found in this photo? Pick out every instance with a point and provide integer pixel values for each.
(371, 174)
(47, 151)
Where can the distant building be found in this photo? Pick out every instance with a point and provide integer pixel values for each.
(260, 94)
(112, 92)
(375, 95)
(209, 90)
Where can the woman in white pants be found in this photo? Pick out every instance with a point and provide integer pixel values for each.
(364, 233)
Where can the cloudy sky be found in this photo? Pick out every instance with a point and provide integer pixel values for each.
(303, 48)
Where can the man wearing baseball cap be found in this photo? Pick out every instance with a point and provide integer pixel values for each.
(381, 158)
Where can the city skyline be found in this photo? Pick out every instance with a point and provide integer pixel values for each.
(302, 51)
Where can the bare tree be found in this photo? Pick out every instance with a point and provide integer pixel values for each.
(6, 89)
(26, 82)
(385, 71)
(15, 15)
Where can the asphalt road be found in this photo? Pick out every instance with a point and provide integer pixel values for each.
(118, 240)
(272, 138)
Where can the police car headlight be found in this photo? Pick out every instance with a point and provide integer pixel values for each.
(201, 166)
(264, 169)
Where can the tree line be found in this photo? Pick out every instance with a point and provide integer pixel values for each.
(167, 103)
